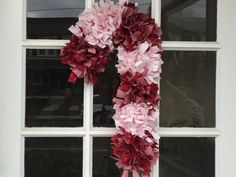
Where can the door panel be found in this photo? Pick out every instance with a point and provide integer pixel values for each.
(12, 89)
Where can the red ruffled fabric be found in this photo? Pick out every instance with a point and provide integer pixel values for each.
(136, 89)
(135, 29)
(85, 60)
(134, 154)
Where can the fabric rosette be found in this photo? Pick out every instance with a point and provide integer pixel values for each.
(91, 42)
(134, 154)
(134, 88)
(98, 23)
(146, 60)
(135, 29)
(85, 60)
(135, 118)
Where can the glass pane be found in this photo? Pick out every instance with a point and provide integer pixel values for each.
(53, 157)
(50, 100)
(103, 164)
(50, 19)
(104, 91)
(187, 157)
(188, 20)
(188, 89)
(144, 6)
(115, 1)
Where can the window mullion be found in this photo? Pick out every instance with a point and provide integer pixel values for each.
(217, 87)
(156, 14)
(87, 155)
(88, 106)
(88, 116)
(156, 11)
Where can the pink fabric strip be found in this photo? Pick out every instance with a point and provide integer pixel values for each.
(135, 173)
(125, 173)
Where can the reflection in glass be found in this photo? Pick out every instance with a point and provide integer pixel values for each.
(115, 1)
(50, 100)
(103, 164)
(50, 19)
(187, 157)
(144, 6)
(188, 89)
(53, 157)
(104, 91)
(189, 20)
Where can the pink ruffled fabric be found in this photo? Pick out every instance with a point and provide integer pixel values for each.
(98, 23)
(135, 118)
(145, 60)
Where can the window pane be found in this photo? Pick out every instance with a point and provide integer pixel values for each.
(115, 1)
(188, 89)
(50, 100)
(187, 157)
(104, 91)
(188, 20)
(103, 164)
(144, 6)
(50, 19)
(53, 157)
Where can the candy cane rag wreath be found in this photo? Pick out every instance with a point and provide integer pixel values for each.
(107, 27)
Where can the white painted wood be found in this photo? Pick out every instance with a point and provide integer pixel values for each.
(193, 46)
(88, 109)
(227, 37)
(43, 43)
(217, 156)
(108, 132)
(24, 19)
(188, 132)
(53, 132)
(87, 156)
(156, 11)
(22, 157)
(218, 89)
(156, 14)
(23, 87)
(88, 116)
(167, 45)
(218, 112)
(10, 87)
(88, 3)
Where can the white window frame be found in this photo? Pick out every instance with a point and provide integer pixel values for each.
(88, 131)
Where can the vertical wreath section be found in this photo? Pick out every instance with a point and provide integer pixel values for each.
(101, 29)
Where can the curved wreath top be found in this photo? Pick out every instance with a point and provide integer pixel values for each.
(101, 29)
